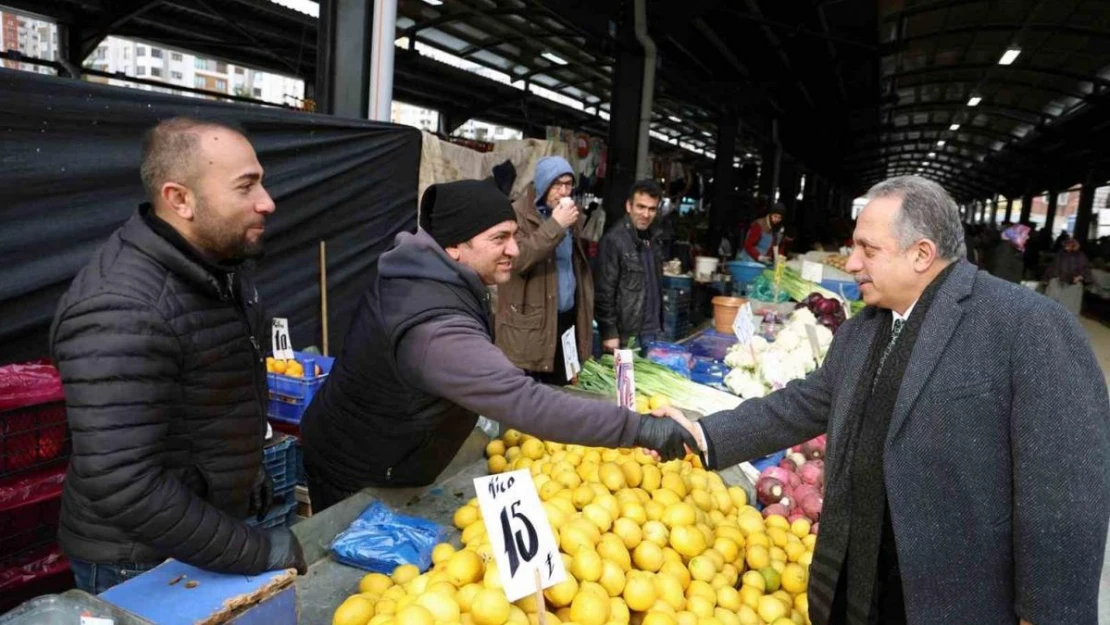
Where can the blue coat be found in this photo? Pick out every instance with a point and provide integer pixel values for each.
(996, 464)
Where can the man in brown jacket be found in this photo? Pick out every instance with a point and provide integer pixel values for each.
(551, 289)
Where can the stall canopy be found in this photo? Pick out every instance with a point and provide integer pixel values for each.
(71, 177)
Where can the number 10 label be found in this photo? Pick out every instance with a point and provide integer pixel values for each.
(519, 532)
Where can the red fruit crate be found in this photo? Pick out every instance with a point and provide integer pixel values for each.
(33, 432)
(29, 510)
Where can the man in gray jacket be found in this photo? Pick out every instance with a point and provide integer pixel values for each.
(955, 405)
(419, 364)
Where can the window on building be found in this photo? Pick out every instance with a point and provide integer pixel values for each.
(140, 51)
(175, 56)
(200, 63)
(200, 82)
(156, 53)
(221, 68)
(221, 84)
(156, 72)
(257, 92)
(176, 75)
(239, 70)
(127, 53)
(140, 71)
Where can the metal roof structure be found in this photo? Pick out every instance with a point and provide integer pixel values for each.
(860, 90)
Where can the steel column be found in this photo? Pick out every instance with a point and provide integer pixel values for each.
(1086, 206)
(1009, 209)
(1026, 208)
(345, 36)
(1051, 216)
(628, 84)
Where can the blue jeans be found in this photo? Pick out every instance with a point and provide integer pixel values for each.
(95, 578)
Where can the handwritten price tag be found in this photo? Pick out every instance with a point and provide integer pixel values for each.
(282, 346)
(742, 325)
(523, 544)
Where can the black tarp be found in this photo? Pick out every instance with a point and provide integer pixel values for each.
(69, 176)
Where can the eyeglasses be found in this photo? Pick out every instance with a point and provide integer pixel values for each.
(565, 184)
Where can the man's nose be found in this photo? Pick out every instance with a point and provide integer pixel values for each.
(265, 204)
(855, 263)
(511, 249)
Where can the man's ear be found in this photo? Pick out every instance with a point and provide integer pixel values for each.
(453, 252)
(925, 254)
(179, 199)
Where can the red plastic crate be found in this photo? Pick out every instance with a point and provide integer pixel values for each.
(44, 571)
(29, 511)
(33, 431)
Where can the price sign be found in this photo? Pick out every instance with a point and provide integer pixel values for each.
(626, 378)
(814, 344)
(742, 325)
(570, 354)
(523, 544)
(812, 271)
(282, 346)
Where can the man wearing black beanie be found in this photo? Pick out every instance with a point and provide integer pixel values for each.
(419, 364)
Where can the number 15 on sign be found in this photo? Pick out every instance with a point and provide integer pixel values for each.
(521, 537)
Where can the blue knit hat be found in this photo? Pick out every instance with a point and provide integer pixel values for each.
(548, 170)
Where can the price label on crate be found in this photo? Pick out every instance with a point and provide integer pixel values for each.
(523, 544)
(282, 346)
(742, 325)
(812, 271)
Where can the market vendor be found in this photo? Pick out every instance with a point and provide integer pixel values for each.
(765, 235)
(419, 363)
(157, 342)
(955, 405)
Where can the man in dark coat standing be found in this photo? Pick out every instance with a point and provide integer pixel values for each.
(954, 405)
(157, 343)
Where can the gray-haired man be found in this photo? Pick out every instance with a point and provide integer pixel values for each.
(950, 404)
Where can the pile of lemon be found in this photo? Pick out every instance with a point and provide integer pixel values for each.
(644, 543)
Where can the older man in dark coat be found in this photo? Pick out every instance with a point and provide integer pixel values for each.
(955, 405)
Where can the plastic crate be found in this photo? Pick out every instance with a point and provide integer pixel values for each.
(44, 571)
(281, 515)
(33, 432)
(289, 396)
(29, 512)
(280, 459)
(678, 282)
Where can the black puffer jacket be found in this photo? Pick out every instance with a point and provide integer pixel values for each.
(164, 384)
(619, 300)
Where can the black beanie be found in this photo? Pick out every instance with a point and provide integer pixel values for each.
(454, 212)
(778, 209)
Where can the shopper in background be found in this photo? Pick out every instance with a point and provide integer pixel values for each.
(419, 365)
(1067, 274)
(629, 299)
(157, 341)
(979, 385)
(764, 235)
(551, 289)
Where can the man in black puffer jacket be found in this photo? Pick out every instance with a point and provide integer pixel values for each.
(629, 300)
(156, 341)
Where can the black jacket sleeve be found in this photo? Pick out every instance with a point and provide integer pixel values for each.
(606, 307)
(120, 364)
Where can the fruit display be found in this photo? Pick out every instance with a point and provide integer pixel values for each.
(836, 261)
(643, 543)
(761, 366)
(290, 367)
(795, 488)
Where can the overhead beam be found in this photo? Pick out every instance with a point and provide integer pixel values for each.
(994, 67)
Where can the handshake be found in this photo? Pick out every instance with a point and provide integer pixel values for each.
(668, 434)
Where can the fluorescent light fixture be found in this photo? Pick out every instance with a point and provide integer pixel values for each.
(940, 144)
(747, 154)
(954, 127)
(974, 100)
(1009, 56)
(674, 119)
(434, 3)
(707, 133)
(558, 60)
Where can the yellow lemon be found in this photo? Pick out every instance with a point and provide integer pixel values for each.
(489, 607)
(612, 578)
(588, 608)
(465, 596)
(465, 516)
(653, 509)
(687, 540)
(440, 554)
(652, 478)
(680, 513)
(611, 476)
(648, 557)
(618, 611)
(794, 551)
(586, 566)
(628, 531)
(639, 593)
(497, 464)
(633, 474)
(738, 495)
(793, 578)
(613, 550)
(355, 610)
(656, 532)
(375, 582)
(492, 577)
(810, 542)
(751, 524)
(414, 615)
(702, 568)
(381, 619)
(405, 574)
(464, 567)
(729, 598)
(770, 608)
(678, 571)
(598, 516)
(442, 606)
(772, 577)
(750, 595)
(748, 616)
(670, 590)
(659, 618)
(700, 606)
(702, 499)
(727, 548)
(561, 594)
(801, 528)
(758, 557)
(726, 617)
(685, 617)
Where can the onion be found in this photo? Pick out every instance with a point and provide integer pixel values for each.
(769, 490)
(780, 474)
(775, 508)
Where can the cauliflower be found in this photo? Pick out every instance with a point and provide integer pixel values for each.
(744, 384)
(803, 317)
(824, 338)
(740, 357)
(759, 344)
(803, 355)
(787, 339)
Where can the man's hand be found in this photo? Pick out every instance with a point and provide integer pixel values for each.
(285, 552)
(566, 213)
(262, 494)
(610, 345)
(667, 437)
(676, 415)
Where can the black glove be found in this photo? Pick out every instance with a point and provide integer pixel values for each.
(665, 436)
(262, 495)
(285, 552)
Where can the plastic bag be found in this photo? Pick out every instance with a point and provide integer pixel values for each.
(380, 540)
(672, 356)
(29, 384)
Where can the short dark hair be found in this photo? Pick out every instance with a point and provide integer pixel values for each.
(169, 151)
(647, 187)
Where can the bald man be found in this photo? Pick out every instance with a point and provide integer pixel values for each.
(157, 341)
